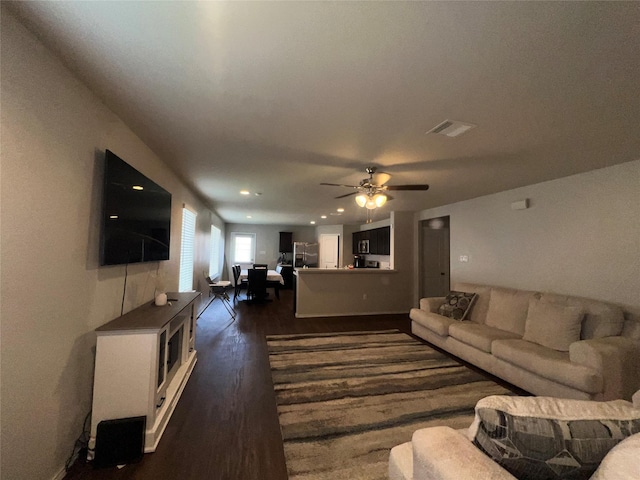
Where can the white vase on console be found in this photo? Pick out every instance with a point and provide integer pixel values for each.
(161, 299)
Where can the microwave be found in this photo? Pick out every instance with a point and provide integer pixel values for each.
(363, 246)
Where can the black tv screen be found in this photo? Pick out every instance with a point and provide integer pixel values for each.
(136, 216)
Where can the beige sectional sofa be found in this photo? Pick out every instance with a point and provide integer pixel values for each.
(544, 343)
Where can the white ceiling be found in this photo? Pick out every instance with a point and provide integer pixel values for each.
(277, 97)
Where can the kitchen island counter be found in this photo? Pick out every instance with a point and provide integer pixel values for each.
(305, 271)
(327, 292)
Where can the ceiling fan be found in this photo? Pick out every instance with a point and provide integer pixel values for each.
(372, 191)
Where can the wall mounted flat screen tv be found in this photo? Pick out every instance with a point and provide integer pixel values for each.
(136, 216)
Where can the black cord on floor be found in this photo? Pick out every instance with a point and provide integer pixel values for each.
(124, 290)
(80, 444)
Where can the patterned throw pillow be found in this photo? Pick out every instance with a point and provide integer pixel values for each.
(544, 438)
(456, 305)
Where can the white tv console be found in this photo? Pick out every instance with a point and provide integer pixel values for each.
(143, 361)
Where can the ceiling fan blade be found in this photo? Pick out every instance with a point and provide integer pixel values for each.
(407, 187)
(380, 178)
(338, 185)
(346, 195)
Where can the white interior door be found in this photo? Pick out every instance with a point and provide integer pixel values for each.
(329, 244)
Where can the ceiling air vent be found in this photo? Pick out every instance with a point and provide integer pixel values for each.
(451, 128)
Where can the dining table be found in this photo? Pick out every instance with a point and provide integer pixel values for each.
(274, 280)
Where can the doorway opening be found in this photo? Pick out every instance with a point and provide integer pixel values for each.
(434, 257)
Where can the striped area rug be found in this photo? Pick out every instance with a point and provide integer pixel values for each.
(344, 399)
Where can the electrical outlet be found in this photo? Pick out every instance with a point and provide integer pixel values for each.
(464, 258)
(364, 296)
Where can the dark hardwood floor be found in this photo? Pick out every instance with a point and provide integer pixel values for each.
(225, 426)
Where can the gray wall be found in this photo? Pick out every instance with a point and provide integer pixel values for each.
(581, 236)
(54, 294)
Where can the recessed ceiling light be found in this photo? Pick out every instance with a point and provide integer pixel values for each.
(137, 187)
(323, 216)
(249, 216)
(340, 210)
(257, 194)
(113, 217)
(244, 192)
(312, 222)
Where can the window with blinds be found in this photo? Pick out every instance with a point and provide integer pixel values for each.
(187, 250)
(243, 247)
(214, 262)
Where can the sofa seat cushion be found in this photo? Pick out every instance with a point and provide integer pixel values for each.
(434, 322)
(478, 335)
(549, 438)
(508, 309)
(548, 363)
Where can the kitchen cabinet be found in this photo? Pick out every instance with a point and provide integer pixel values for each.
(286, 242)
(379, 240)
(383, 246)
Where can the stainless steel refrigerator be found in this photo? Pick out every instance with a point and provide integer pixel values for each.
(305, 254)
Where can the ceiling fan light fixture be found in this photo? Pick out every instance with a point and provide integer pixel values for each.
(371, 203)
(380, 199)
(361, 200)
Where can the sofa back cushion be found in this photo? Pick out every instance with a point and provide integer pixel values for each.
(478, 312)
(631, 329)
(552, 325)
(601, 319)
(508, 309)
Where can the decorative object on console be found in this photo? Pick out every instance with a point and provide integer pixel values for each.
(457, 305)
(161, 299)
(540, 438)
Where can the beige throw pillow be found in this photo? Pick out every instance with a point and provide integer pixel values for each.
(508, 309)
(553, 326)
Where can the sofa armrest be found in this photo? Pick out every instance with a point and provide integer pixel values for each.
(442, 453)
(431, 304)
(616, 359)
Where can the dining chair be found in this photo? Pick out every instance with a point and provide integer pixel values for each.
(260, 265)
(257, 288)
(237, 282)
(219, 290)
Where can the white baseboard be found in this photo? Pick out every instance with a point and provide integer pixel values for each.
(60, 475)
